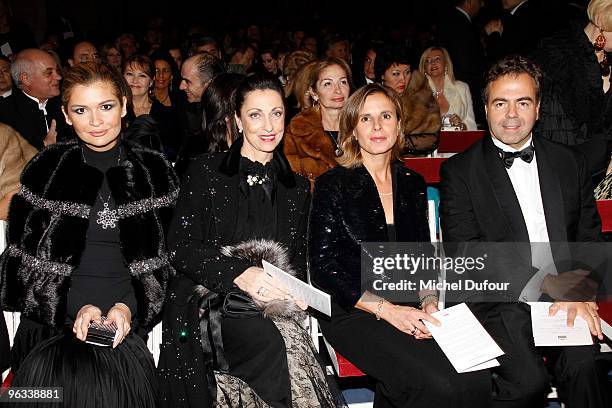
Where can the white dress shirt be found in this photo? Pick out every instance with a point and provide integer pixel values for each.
(526, 183)
(41, 105)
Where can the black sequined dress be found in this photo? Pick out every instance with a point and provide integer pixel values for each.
(229, 201)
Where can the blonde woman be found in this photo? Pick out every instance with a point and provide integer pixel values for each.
(453, 96)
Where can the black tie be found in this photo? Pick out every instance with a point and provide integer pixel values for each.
(508, 157)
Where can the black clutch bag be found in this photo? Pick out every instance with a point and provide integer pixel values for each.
(238, 304)
(101, 334)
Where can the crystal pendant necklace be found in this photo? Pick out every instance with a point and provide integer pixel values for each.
(107, 217)
(338, 152)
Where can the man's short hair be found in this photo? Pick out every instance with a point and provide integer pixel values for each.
(209, 66)
(20, 66)
(199, 40)
(512, 65)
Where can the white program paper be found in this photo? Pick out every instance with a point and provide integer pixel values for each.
(466, 344)
(315, 298)
(553, 330)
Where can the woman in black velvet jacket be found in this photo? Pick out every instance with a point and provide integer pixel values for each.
(576, 100)
(372, 197)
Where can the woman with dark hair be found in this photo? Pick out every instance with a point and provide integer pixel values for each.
(218, 124)
(393, 68)
(167, 102)
(421, 121)
(372, 197)
(140, 74)
(311, 142)
(76, 256)
(232, 333)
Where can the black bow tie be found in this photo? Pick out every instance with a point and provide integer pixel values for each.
(508, 157)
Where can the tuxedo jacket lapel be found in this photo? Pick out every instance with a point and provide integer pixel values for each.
(552, 198)
(504, 193)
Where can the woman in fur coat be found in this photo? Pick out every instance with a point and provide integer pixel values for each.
(311, 139)
(86, 246)
(232, 334)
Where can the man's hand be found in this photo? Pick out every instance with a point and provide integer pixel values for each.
(51, 137)
(570, 286)
(586, 310)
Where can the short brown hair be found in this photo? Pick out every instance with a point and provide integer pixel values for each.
(142, 61)
(349, 116)
(512, 65)
(88, 73)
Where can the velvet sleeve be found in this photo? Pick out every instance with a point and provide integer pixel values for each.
(191, 241)
(334, 264)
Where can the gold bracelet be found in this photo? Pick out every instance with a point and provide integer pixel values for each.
(379, 308)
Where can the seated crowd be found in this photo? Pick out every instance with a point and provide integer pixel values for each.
(146, 182)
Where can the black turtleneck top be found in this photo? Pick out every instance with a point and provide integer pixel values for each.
(102, 278)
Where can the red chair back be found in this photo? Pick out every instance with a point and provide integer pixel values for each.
(428, 167)
(458, 141)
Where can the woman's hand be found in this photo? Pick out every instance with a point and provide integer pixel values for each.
(86, 314)
(408, 319)
(121, 315)
(455, 121)
(261, 286)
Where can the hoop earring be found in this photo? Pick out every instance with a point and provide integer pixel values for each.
(600, 41)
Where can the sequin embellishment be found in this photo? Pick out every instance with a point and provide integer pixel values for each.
(43, 265)
(148, 204)
(58, 207)
(107, 218)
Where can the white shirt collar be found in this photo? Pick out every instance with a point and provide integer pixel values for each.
(464, 13)
(507, 148)
(41, 105)
(7, 93)
(516, 8)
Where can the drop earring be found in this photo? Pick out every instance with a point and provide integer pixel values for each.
(600, 41)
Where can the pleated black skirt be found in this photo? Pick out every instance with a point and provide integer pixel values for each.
(90, 376)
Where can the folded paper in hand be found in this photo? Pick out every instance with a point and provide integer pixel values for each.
(464, 341)
(314, 297)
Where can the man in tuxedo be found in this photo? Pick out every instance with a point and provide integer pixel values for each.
(461, 38)
(34, 109)
(516, 188)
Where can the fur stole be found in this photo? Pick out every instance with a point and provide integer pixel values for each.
(15, 153)
(257, 250)
(308, 147)
(421, 119)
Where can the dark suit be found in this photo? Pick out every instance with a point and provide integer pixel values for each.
(22, 114)
(206, 219)
(478, 203)
(520, 35)
(461, 38)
